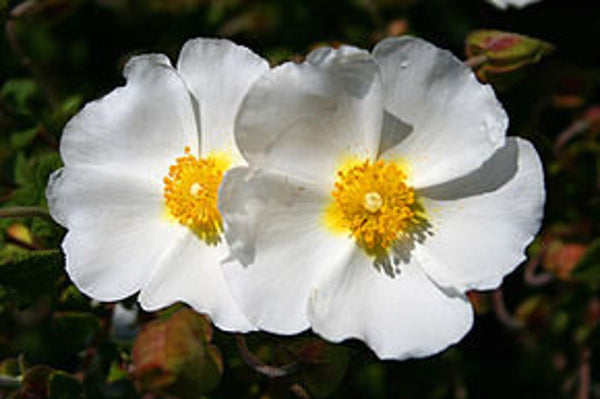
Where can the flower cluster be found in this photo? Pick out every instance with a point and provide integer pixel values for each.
(358, 194)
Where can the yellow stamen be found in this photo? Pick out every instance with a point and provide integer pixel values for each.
(190, 193)
(374, 202)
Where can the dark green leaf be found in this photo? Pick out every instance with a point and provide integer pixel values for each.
(22, 138)
(588, 268)
(323, 364)
(63, 386)
(17, 93)
(31, 274)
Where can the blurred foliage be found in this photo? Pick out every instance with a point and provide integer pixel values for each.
(538, 337)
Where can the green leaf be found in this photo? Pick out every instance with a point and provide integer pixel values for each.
(22, 138)
(71, 105)
(323, 364)
(63, 386)
(32, 177)
(23, 173)
(35, 383)
(174, 356)
(32, 274)
(588, 268)
(17, 93)
(73, 331)
(42, 382)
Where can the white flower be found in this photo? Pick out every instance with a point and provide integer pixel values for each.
(379, 190)
(504, 4)
(138, 189)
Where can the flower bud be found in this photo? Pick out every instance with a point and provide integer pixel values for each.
(496, 52)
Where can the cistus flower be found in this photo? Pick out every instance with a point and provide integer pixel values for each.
(380, 189)
(138, 190)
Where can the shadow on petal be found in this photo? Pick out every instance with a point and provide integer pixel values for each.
(393, 132)
(494, 173)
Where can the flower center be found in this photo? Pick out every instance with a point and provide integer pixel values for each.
(190, 192)
(374, 202)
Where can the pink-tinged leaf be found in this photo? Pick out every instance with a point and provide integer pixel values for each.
(175, 357)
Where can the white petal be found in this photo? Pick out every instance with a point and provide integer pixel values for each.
(482, 223)
(400, 317)
(457, 123)
(117, 232)
(192, 273)
(218, 73)
(503, 4)
(138, 129)
(302, 119)
(274, 227)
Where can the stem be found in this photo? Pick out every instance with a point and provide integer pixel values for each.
(502, 314)
(258, 365)
(24, 212)
(531, 277)
(584, 375)
(374, 13)
(9, 382)
(299, 391)
(477, 61)
(25, 8)
(573, 130)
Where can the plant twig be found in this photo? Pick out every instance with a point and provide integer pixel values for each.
(374, 13)
(23, 9)
(584, 375)
(477, 61)
(299, 391)
(9, 382)
(258, 365)
(571, 131)
(531, 277)
(502, 314)
(24, 212)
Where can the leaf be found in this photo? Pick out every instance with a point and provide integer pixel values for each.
(23, 173)
(323, 364)
(588, 268)
(42, 382)
(32, 274)
(73, 331)
(32, 177)
(63, 386)
(174, 357)
(35, 383)
(17, 93)
(22, 138)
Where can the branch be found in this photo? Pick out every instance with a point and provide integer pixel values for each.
(24, 212)
(476, 62)
(9, 382)
(299, 391)
(502, 314)
(26, 8)
(531, 277)
(258, 365)
(584, 375)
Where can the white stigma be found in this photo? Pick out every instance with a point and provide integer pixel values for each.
(372, 201)
(195, 189)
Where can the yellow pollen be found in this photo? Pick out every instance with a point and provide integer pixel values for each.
(190, 193)
(374, 202)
